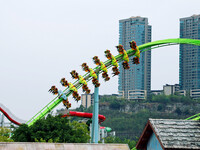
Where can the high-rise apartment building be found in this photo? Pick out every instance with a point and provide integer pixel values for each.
(189, 59)
(87, 100)
(135, 83)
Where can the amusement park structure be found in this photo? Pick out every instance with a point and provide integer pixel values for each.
(12, 118)
(102, 68)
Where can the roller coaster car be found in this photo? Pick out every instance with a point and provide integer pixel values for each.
(74, 74)
(136, 60)
(125, 65)
(133, 45)
(96, 60)
(120, 49)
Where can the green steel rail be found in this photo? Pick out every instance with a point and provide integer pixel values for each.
(148, 46)
(195, 117)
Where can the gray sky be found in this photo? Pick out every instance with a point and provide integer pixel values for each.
(41, 41)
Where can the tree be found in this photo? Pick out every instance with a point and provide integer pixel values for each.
(178, 111)
(5, 134)
(111, 139)
(52, 129)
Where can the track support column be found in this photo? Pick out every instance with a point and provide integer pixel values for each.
(95, 120)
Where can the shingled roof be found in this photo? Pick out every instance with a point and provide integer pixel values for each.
(172, 134)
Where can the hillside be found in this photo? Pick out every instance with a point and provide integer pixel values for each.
(128, 118)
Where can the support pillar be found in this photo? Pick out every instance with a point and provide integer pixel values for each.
(95, 120)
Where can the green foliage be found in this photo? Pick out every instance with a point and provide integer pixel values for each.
(22, 134)
(178, 111)
(52, 129)
(130, 123)
(160, 107)
(4, 135)
(164, 99)
(111, 139)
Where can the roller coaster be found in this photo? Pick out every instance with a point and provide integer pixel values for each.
(81, 81)
(15, 120)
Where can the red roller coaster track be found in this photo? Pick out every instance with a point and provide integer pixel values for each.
(102, 118)
(17, 121)
(8, 116)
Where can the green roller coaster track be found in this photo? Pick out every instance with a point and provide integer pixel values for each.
(148, 46)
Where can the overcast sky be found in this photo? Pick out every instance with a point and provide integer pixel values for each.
(41, 41)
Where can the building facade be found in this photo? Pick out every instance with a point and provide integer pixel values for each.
(170, 89)
(189, 59)
(87, 100)
(138, 77)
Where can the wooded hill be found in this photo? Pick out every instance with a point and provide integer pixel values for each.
(128, 118)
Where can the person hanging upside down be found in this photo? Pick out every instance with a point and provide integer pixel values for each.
(115, 71)
(96, 60)
(64, 82)
(84, 87)
(108, 54)
(75, 92)
(121, 50)
(85, 67)
(53, 90)
(125, 65)
(74, 74)
(113, 62)
(66, 104)
(92, 74)
(134, 47)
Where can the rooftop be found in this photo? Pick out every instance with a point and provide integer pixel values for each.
(172, 134)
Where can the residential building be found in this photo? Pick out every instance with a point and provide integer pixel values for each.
(182, 92)
(137, 94)
(189, 59)
(170, 89)
(138, 77)
(87, 100)
(195, 94)
(170, 134)
(156, 92)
